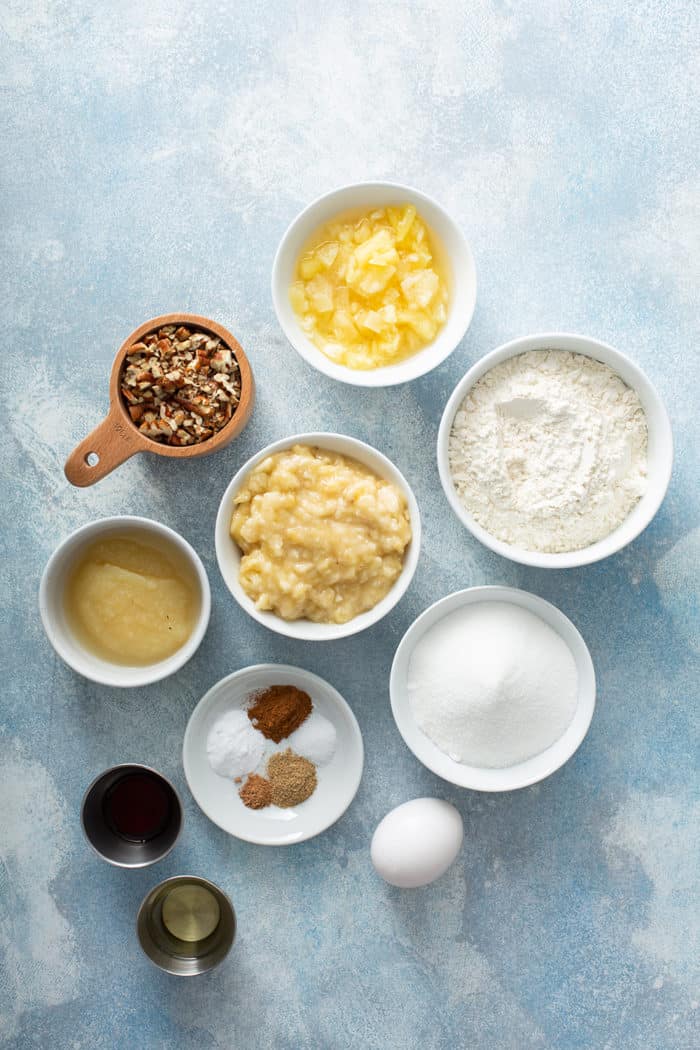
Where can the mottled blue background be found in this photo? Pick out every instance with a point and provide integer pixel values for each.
(152, 155)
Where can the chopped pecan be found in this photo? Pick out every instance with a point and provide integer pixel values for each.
(180, 386)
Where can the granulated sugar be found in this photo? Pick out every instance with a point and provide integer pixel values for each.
(492, 684)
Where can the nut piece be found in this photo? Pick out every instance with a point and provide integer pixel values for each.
(180, 386)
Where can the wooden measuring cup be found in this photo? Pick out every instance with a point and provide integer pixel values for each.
(117, 438)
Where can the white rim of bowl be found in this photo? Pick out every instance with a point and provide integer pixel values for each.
(308, 630)
(311, 677)
(150, 673)
(376, 377)
(639, 381)
(552, 758)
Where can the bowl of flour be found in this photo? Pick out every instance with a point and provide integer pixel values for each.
(492, 688)
(555, 450)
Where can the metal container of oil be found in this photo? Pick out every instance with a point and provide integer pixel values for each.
(186, 925)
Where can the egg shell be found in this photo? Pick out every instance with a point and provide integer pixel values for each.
(417, 842)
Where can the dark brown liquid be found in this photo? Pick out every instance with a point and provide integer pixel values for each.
(138, 806)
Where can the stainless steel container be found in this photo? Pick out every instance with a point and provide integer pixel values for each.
(129, 850)
(185, 957)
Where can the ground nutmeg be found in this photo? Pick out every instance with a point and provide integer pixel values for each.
(256, 793)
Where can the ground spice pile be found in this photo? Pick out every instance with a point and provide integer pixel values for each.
(278, 710)
(256, 793)
(291, 779)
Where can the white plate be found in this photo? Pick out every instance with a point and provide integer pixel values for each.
(524, 773)
(338, 781)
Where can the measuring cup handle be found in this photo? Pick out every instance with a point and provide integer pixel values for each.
(112, 442)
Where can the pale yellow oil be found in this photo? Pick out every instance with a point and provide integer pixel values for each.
(190, 912)
(132, 598)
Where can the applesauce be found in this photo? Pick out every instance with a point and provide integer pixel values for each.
(132, 598)
(322, 536)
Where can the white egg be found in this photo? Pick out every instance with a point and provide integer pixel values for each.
(416, 842)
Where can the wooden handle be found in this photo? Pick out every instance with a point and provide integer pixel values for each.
(109, 444)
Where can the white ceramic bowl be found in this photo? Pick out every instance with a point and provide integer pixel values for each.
(660, 449)
(217, 796)
(476, 777)
(457, 252)
(228, 553)
(63, 639)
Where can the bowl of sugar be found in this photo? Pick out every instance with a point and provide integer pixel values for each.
(492, 688)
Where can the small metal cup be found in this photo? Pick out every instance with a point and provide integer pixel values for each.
(184, 958)
(107, 842)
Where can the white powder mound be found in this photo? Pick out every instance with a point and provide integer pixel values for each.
(234, 746)
(548, 451)
(315, 739)
(492, 685)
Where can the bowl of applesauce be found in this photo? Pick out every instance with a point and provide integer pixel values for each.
(125, 601)
(374, 284)
(318, 536)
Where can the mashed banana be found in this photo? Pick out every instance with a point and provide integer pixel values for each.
(322, 536)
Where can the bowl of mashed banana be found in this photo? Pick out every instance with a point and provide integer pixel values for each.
(374, 284)
(318, 536)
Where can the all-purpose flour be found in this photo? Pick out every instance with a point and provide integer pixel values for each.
(492, 684)
(548, 451)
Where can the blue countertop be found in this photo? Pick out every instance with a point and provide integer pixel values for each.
(152, 157)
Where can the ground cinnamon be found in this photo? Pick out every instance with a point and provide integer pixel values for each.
(278, 710)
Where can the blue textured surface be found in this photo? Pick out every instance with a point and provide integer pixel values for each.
(152, 155)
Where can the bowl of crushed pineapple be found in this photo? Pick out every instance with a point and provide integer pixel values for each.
(374, 284)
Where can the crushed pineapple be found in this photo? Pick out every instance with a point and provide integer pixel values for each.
(368, 289)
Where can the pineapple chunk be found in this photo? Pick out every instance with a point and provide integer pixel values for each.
(344, 328)
(363, 231)
(421, 324)
(371, 320)
(327, 253)
(420, 287)
(394, 216)
(319, 292)
(378, 249)
(297, 297)
(368, 289)
(373, 280)
(405, 222)
(390, 345)
(309, 267)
